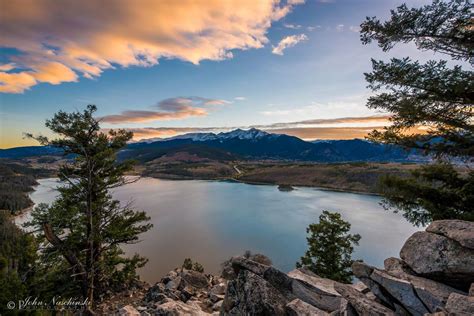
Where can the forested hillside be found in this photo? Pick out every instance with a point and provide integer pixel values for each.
(16, 181)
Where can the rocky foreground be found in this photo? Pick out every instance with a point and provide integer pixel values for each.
(434, 276)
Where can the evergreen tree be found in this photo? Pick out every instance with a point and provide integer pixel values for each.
(433, 95)
(82, 230)
(330, 248)
(17, 263)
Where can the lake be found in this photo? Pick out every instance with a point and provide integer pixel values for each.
(210, 221)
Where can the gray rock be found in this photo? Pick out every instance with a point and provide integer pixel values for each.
(361, 287)
(361, 269)
(315, 290)
(216, 297)
(251, 294)
(155, 293)
(460, 305)
(433, 294)
(194, 278)
(128, 310)
(279, 280)
(176, 308)
(471, 290)
(439, 258)
(217, 306)
(314, 296)
(363, 272)
(218, 289)
(173, 284)
(299, 308)
(402, 290)
(346, 309)
(361, 303)
(460, 231)
(323, 284)
(239, 263)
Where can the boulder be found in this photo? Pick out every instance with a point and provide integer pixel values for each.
(217, 306)
(361, 303)
(460, 305)
(239, 263)
(172, 284)
(460, 231)
(218, 289)
(155, 293)
(315, 290)
(361, 287)
(471, 290)
(176, 308)
(363, 272)
(128, 310)
(434, 295)
(194, 278)
(299, 308)
(323, 284)
(251, 294)
(345, 309)
(439, 258)
(216, 297)
(361, 269)
(402, 291)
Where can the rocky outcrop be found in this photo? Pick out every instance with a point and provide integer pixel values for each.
(360, 302)
(180, 292)
(440, 258)
(460, 231)
(421, 284)
(297, 307)
(431, 278)
(263, 290)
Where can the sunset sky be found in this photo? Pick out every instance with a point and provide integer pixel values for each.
(168, 67)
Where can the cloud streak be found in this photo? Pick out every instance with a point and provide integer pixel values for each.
(168, 109)
(60, 42)
(335, 128)
(288, 42)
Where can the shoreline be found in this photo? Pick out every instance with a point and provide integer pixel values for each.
(30, 208)
(236, 180)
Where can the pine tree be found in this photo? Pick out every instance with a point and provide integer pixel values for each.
(83, 228)
(330, 248)
(433, 95)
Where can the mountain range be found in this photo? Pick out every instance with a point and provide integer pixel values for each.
(249, 144)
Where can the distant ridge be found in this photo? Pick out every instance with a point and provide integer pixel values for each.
(28, 151)
(247, 144)
(258, 144)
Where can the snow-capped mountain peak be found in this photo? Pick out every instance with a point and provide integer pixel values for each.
(252, 133)
(197, 137)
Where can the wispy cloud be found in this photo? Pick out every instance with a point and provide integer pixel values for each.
(340, 27)
(168, 109)
(240, 98)
(292, 26)
(57, 43)
(354, 28)
(288, 42)
(335, 128)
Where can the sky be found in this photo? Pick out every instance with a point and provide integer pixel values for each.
(161, 68)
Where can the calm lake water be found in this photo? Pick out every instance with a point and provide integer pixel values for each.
(210, 221)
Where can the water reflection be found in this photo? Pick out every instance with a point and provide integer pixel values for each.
(210, 221)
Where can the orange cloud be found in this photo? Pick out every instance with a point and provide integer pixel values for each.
(59, 41)
(288, 42)
(170, 109)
